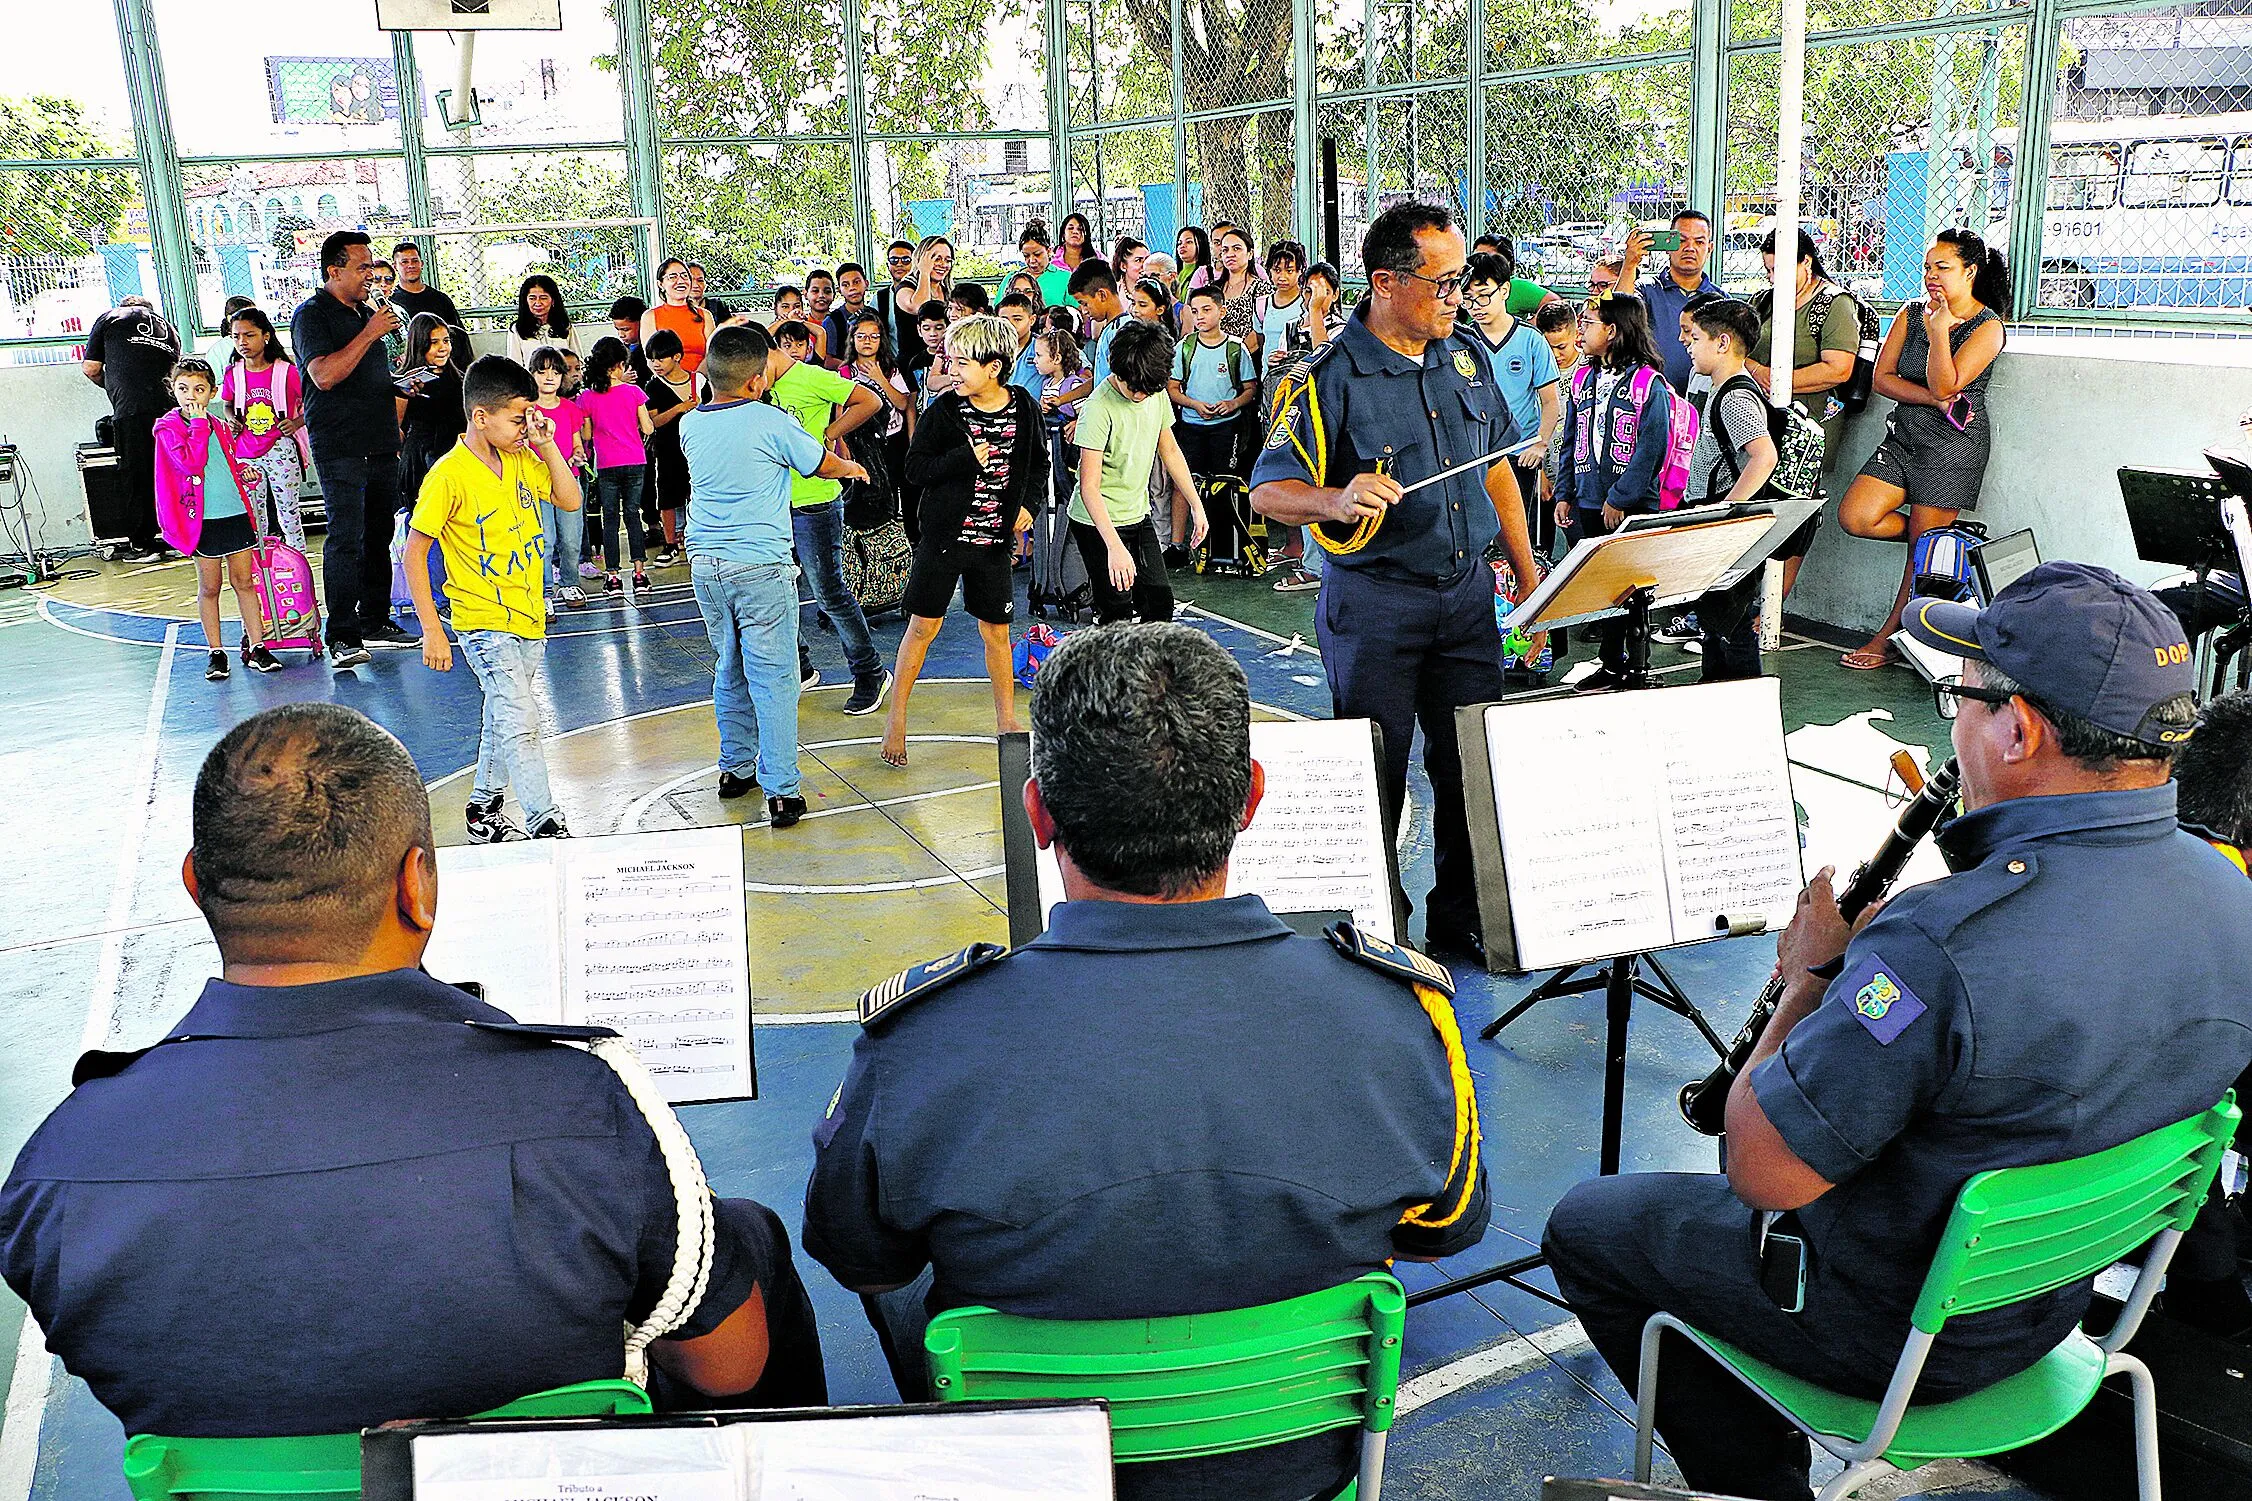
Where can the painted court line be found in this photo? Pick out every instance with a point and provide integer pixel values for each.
(34, 1371)
(1518, 1353)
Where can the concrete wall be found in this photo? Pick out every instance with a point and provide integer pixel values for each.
(2068, 413)
(47, 411)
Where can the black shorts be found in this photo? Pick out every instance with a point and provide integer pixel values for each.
(225, 537)
(981, 568)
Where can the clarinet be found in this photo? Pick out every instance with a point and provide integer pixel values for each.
(1704, 1102)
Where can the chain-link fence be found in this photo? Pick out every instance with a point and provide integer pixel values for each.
(2149, 195)
(255, 228)
(1903, 138)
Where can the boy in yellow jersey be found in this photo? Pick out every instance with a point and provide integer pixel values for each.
(481, 504)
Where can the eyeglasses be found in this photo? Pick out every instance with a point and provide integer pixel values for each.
(1479, 298)
(1445, 288)
(1947, 695)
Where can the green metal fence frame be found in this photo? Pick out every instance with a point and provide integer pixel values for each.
(1711, 49)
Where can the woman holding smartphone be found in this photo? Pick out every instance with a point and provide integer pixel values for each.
(1937, 359)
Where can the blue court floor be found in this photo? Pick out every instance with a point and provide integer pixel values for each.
(104, 717)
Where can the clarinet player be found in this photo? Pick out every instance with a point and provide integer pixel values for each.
(2076, 982)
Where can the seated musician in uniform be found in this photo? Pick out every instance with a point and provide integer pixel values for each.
(2077, 982)
(341, 1192)
(1167, 1103)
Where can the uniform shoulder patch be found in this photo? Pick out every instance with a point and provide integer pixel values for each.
(1882, 1002)
(1396, 960)
(920, 980)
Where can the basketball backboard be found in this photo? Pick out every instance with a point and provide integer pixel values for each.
(469, 15)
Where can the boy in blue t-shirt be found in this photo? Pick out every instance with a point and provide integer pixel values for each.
(1214, 380)
(741, 456)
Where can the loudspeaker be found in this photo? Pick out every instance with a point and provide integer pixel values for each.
(105, 492)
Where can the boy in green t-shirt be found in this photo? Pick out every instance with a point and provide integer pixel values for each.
(1122, 432)
(481, 503)
(828, 406)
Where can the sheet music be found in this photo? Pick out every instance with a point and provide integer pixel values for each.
(1675, 811)
(642, 933)
(1317, 842)
(658, 953)
(1731, 829)
(1580, 825)
(499, 924)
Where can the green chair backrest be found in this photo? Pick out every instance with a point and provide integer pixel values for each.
(2022, 1231)
(1196, 1384)
(322, 1464)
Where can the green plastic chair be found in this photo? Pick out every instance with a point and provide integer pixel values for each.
(2016, 1233)
(1197, 1384)
(324, 1464)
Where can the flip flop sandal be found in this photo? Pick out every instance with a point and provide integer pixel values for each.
(888, 761)
(1867, 661)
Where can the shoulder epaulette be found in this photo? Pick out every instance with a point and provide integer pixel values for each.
(1396, 960)
(544, 1033)
(917, 981)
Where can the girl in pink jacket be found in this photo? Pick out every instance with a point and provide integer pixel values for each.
(203, 506)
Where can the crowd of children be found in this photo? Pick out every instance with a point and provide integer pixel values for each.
(1094, 425)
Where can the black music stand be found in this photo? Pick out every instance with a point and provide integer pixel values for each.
(2175, 516)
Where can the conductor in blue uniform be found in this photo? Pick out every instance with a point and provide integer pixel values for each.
(2078, 982)
(1406, 614)
(341, 1192)
(1167, 1103)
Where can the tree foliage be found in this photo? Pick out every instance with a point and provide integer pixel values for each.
(65, 213)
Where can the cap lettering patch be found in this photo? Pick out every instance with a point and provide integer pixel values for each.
(1881, 1002)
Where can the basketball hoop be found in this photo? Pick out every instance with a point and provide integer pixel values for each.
(467, 17)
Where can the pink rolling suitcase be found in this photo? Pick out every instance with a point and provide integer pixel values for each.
(285, 589)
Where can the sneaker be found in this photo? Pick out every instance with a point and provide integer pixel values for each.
(1602, 680)
(1176, 556)
(494, 830)
(782, 812)
(664, 558)
(868, 694)
(640, 579)
(1296, 581)
(485, 805)
(390, 638)
(550, 603)
(809, 678)
(551, 827)
(347, 654)
(589, 571)
(610, 584)
(1680, 628)
(215, 670)
(732, 786)
(260, 658)
(575, 597)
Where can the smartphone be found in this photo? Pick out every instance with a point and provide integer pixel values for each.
(1782, 1271)
(1667, 240)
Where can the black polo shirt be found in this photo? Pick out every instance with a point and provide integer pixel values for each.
(137, 350)
(354, 417)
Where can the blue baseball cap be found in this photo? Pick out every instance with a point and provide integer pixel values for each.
(2078, 638)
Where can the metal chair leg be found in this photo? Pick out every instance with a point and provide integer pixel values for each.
(1372, 1466)
(1853, 1477)
(1646, 1396)
(2146, 1424)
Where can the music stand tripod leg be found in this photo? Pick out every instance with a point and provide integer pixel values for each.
(1618, 1011)
(1666, 991)
(1564, 982)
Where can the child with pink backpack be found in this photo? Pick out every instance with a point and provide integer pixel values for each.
(205, 501)
(1630, 440)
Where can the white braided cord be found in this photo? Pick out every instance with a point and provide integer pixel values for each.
(692, 1246)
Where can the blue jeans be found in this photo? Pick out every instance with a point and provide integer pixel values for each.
(566, 535)
(819, 534)
(508, 743)
(751, 614)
